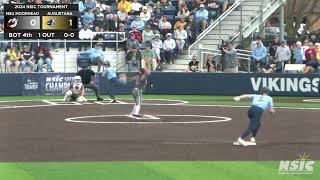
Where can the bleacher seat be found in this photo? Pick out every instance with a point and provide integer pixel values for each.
(170, 10)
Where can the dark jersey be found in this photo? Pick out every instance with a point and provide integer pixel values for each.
(86, 75)
(141, 82)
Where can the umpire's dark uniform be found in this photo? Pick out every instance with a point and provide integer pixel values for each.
(87, 75)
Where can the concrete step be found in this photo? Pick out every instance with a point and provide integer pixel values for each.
(244, 13)
(216, 37)
(252, 3)
(250, 8)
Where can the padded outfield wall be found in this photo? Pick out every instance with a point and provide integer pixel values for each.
(170, 83)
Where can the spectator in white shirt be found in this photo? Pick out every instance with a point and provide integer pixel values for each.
(135, 7)
(181, 36)
(85, 34)
(164, 26)
(145, 15)
(157, 45)
(168, 46)
(283, 55)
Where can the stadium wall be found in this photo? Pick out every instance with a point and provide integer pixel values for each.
(170, 83)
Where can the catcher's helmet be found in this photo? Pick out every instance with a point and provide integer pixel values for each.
(265, 90)
(77, 79)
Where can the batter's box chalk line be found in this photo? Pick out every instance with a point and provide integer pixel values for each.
(153, 119)
(312, 100)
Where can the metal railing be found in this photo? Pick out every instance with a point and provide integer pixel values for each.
(65, 52)
(215, 24)
(259, 16)
(244, 57)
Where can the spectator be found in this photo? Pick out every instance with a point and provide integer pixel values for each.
(137, 33)
(304, 49)
(88, 81)
(273, 47)
(138, 23)
(148, 58)
(183, 12)
(311, 65)
(133, 58)
(145, 14)
(157, 45)
(310, 50)
(154, 23)
(163, 4)
(147, 34)
(132, 41)
(90, 5)
(231, 62)
(3, 45)
(180, 22)
(210, 64)
(191, 30)
(12, 59)
(85, 34)
(255, 42)
(213, 9)
(168, 47)
(100, 21)
(124, 4)
(201, 2)
(282, 55)
(102, 6)
(181, 37)
(96, 55)
(202, 16)
(113, 25)
(298, 54)
(43, 56)
(88, 18)
(26, 58)
(193, 65)
(135, 7)
(123, 16)
(259, 55)
(318, 51)
(164, 26)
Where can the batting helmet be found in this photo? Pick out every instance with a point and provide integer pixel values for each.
(265, 90)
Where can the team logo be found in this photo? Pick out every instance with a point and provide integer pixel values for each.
(302, 165)
(12, 23)
(51, 22)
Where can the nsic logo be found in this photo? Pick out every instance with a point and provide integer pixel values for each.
(303, 165)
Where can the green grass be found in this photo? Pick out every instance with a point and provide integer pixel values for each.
(182, 170)
(158, 170)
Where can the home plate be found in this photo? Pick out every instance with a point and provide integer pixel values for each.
(248, 143)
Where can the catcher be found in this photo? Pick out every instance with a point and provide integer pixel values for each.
(140, 84)
(75, 91)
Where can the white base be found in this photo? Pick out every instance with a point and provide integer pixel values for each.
(248, 143)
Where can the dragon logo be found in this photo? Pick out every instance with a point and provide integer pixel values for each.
(12, 23)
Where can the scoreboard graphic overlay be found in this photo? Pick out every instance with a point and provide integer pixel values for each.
(41, 21)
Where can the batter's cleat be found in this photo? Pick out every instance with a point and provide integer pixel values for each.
(99, 99)
(113, 101)
(137, 115)
(253, 140)
(242, 142)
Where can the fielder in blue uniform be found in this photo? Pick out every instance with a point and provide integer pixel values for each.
(110, 74)
(259, 103)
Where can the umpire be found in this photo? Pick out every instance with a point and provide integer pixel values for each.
(87, 78)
